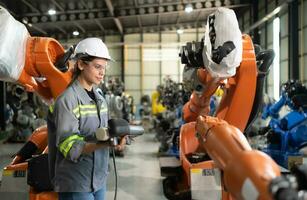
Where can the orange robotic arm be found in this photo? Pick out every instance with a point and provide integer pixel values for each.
(199, 102)
(40, 73)
(247, 173)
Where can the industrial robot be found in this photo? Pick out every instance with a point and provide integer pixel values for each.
(46, 70)
(216, 160)
(286, 135)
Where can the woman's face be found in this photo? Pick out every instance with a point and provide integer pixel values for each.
(93, 72)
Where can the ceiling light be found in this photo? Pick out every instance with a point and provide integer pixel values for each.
(179, 31)
(218, 3)
(51, 12)
(227, 2)
(188, 8)
(208, 4)
(75, 33)
(30, 24)
(25, 20)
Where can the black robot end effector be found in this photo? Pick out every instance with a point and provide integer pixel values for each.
(191, 54)
(61, 62)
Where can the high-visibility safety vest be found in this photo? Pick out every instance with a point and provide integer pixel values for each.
(76, 116)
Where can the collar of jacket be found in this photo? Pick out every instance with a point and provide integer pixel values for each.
(78, 88)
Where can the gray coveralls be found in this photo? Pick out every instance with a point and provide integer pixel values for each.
(76, 116)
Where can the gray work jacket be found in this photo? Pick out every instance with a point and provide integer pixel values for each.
(76, 116)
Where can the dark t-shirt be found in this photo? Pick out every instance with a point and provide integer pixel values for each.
(91, 94)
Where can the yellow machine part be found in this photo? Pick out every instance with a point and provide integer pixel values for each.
(156, 106)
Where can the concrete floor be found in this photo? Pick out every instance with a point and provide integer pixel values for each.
(138, 171)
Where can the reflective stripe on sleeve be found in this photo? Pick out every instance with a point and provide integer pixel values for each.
(104, 110)
(66, 145)
(51, 108)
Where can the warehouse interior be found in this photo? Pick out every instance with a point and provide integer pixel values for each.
(194, 133)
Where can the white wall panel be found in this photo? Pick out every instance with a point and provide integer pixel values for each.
(270, 46)
(270, 32)
(133, 53)
(132, 82)
(262, 37)
(270, 76)
(304, 13)
(270, 91)
(133, 68)
(114, 68)
(132, 38)
(300, 42)
(174, 77)
(151, 37)
(305, 69)
(151, 68)
(187, 37)
(305, 39)
(116, 53)
(284, 25)
(284, 66)
(112, 39)
(151, 82)
(148, 92)
(181, 67)
(169, 67)
(284, 49)
(169, 37)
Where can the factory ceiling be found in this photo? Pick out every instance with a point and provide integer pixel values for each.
(65, 19)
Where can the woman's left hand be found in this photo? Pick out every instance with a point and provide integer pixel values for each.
(121, 145)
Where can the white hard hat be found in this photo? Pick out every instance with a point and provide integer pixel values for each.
(222, 52)
(92, 47)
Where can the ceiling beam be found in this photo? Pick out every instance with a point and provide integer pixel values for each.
(159, 16)
(99, 25)
(135, 3)
(156, 13)
(138, 17)
(139, 21)
(58, 5)
(30, 6)
(182, 11)
(268, 16)
(67, 12)
(165, 3)
(79, 26)
(110, 7)
(59, 28)
(170, 26)
(198, 17)
(116, 20)
(38, 29)
(119, 25)
(159, 21)
(178, 19)
(84, 4)
(175, 4)
(71, 21)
